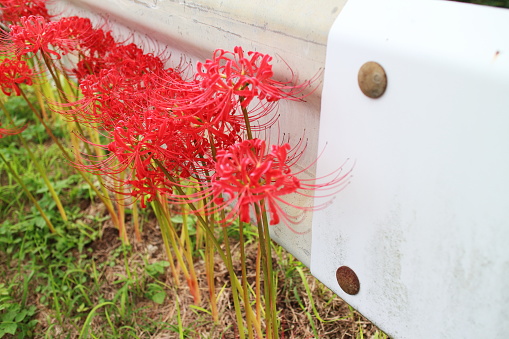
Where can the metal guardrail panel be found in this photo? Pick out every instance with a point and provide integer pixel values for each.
(294, 32)
(424, 223)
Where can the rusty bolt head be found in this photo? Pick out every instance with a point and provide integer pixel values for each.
(372, 79)
(347, 280)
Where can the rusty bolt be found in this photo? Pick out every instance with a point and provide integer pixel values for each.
(372, 79)
(347, 280)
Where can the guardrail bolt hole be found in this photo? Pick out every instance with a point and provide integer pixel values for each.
(372, 79)
(347, 280)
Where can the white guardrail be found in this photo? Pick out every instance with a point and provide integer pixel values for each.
(419, 240)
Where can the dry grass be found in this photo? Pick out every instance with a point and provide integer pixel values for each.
(106, 286)
(178, 317)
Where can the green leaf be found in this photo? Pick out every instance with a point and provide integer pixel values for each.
(10, 315)
(20, 316)
(156, 268)
(177, 219)
(40, 222)
(9, 328)
(159, 297)
(201, 309)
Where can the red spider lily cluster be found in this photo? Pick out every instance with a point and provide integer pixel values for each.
(164, 131)
(14, 10)
(14, 72)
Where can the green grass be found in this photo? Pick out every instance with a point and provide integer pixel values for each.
(493, 3)
(83, 283)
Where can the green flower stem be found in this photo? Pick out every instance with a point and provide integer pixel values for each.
(268, 274)
(188, 253)
(121, 214)
(117, 220)
(212, 146)
(266, 255)
(166, 242)
(66, 155)
(29, 195)
(262, 242)
(94, 134)
(258, 285)
(43, 86)
(62, 93)
(249, 312)
(168, 230)
(136, 222)
(203, 222)
(246, 120)
(209, 249)
(199, 234)
(236, 285)
(209, 271)
(250, 318)
(272, 284)
(39, 168)
(229, 263)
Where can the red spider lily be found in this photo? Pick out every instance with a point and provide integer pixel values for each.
(133, 61)
(78, 34)
(4, 131)
(155, 135)
(126, 80)
(229, 72)
(132, 99)
(34, 34)
(112, 95)
(247, 174)
(14, 72)
(147, 189)
(144, 178)
(106, 99)
(130, 60)
(92, 53)
(13, 10)
(232, 78)
(98, 43)
(145, 143)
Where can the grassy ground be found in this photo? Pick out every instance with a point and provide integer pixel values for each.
(84, 283)
(494, 3)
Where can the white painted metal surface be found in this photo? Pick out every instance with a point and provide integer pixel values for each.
(425, 220)
(293, 31)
